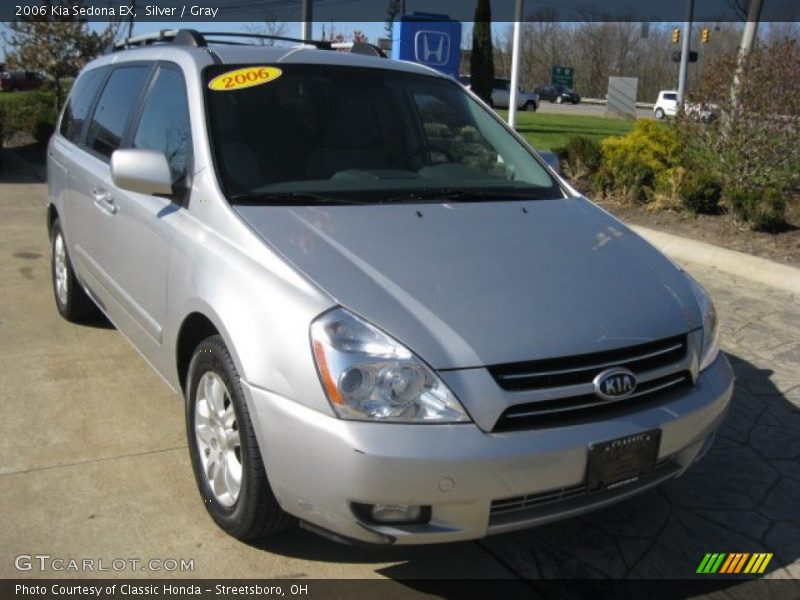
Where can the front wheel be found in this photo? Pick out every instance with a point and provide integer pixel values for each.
(530, 106)
(659, 114)
(226, 459)
(559, 99)
(72, 301)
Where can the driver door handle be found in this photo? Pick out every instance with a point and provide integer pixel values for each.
(104, 201)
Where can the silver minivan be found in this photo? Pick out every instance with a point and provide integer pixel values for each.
(388, 318)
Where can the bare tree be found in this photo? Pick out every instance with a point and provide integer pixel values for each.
(394, 8)
(58, 49)
(269, 26)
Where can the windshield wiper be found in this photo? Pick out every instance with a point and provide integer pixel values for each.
(288, 198)
(477, 195)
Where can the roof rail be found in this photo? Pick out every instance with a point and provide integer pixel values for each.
(190, 37)
(321, 44)
(181, 36)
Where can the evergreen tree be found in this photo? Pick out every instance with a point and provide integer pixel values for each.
(481, 62)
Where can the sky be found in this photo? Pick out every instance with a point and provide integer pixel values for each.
(372, 29)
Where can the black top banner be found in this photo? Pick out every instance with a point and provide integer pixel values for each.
(324, 11)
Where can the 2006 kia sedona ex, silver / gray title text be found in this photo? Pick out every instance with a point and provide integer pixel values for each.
(388, 318)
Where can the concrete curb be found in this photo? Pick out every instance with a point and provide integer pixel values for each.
(750, 267)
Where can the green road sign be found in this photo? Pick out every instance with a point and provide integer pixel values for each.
(562, 76)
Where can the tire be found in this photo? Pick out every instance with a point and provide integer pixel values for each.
(660, 114)
(72, 301)
(530, 106)
(224, 446)
(559, 99)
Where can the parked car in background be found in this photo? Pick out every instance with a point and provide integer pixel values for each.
(501, 92)
(19, 81)
(557, 93)
(667, 106)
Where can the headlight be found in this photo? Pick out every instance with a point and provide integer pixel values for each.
(710, 325)
(370, 376)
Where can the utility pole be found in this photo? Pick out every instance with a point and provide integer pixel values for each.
(687, 34)
(749, 34)
(512, 96)
(130, 19)
(748, 37)
(306, 20)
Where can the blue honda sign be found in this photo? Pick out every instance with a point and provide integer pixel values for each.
(428, 39)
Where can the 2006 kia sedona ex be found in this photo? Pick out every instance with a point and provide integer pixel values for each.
(388, 318)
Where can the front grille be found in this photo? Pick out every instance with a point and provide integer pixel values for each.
(504, 506)
(583, 368)
(577, 409)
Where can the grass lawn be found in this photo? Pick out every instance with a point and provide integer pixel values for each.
(548, 131)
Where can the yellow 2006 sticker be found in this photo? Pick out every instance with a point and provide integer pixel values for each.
(244, 78)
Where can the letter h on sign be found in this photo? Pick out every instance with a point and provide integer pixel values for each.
(432, 47)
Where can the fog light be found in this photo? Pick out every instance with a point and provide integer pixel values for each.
(396, 513)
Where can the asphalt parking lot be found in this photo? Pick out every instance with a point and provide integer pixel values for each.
(591, 110)
(93, 459)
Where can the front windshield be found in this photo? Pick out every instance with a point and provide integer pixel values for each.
(364, 135)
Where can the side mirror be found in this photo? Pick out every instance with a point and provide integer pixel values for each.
(551, 158)
(143, 171)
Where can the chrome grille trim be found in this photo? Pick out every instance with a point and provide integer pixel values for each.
(579, 370)
(590, 367)
(657, 388)
(552, 396)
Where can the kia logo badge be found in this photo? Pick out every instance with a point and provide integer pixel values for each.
(615, 384)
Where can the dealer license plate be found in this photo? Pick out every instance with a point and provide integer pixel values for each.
(623, 460)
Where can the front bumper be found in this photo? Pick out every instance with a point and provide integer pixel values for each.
(318, 465)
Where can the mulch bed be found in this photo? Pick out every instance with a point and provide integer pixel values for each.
(721, 230)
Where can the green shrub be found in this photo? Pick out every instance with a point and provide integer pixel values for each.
(701, 193)
(581, 157)
(635, 162)
(763, 209)
(27, 113)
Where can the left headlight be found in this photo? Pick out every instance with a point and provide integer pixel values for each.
(710, 325)
(370, 376)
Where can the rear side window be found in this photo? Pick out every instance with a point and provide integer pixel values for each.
(114, 107)
(80, 101)
(164, 124)
(670, 96)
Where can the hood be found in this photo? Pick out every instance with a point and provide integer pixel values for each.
(475, 284)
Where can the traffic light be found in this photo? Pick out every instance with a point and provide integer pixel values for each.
(705, 35)
(676, 35)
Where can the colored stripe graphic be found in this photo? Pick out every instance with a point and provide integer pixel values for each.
(735, 562)
(703, 563)
(753, 564)
(711, 562)
(717, 564)
(759, 562)
(727, 564)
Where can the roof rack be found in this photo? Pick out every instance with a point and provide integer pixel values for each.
(190, 37)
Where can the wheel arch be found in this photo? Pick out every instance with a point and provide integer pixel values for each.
(52, 215)
(195, 327)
